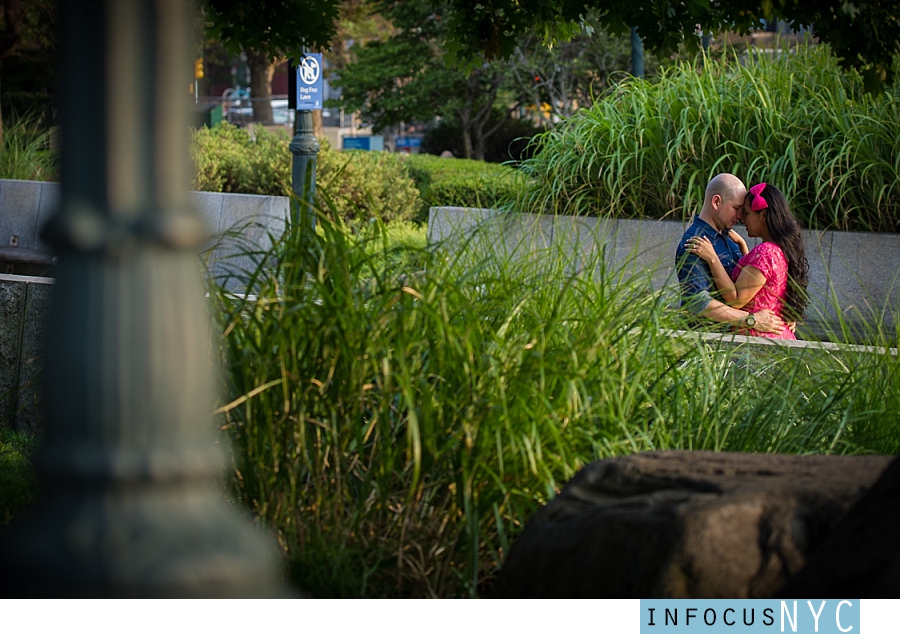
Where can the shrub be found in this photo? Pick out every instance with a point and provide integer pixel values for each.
(361, 185)
(795, 120)
(229, 159)
(18, 481)
(461, 182)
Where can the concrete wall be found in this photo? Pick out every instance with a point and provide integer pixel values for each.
(235, 222)
(853, 276)
(241, 230)
(25, 206)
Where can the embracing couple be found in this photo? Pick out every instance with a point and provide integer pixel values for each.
(760, 291)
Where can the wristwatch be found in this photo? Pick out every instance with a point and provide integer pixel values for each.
(750, 320)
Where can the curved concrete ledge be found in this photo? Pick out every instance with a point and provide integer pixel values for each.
(762, 345)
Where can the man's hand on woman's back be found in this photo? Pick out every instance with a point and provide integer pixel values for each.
(767, 321)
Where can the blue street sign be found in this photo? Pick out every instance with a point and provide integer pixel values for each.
(309, 82)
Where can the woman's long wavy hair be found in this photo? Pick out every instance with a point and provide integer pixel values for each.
(785, 232)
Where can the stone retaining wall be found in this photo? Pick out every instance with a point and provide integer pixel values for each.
(234, 220)
(24, 306)
(854, 277)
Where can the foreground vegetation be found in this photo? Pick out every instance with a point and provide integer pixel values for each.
(795, 120)
(398, 413)
(18, 483)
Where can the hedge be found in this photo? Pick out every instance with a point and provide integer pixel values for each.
(358, 185)
(456, 182)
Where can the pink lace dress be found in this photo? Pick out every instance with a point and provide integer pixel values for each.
(772, 263)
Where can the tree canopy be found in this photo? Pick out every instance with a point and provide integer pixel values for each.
(864, 34)
(275, 27)
(402, 77)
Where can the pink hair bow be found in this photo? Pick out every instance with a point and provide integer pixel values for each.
(759, 203)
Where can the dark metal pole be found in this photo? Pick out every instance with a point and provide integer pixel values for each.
(304, 148)
(637, 53)
(129, 464)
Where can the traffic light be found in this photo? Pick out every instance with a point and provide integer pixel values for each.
(198, 68)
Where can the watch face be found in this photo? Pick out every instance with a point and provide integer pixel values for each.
(751, 320)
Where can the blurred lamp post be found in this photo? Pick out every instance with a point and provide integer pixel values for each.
(129, 465)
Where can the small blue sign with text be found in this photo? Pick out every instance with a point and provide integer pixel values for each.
(408, 142)
(355, 143)
(309, 82)
(750, 616)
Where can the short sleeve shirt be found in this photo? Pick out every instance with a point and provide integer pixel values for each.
(772, 263)
(694, 276)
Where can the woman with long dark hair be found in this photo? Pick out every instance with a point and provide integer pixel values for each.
(775, 273)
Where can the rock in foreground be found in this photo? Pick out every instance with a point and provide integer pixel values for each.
(679, 524)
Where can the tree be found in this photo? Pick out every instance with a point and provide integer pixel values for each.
(403, 79)
(268, 31)
(571, 74)
(274, 27)
(262, 69)
(28, 34)
(864, 34)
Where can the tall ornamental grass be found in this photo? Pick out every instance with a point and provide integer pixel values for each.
(398, 412)
(25, 152)
(795, 120)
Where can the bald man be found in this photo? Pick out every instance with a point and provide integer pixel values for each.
(723, 206)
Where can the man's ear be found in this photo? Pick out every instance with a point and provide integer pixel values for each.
(715, 201)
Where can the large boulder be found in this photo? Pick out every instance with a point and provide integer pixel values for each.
(860, 557)
(678, 524)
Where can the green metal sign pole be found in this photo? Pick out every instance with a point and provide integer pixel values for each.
(130, 505)
(304, 148)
